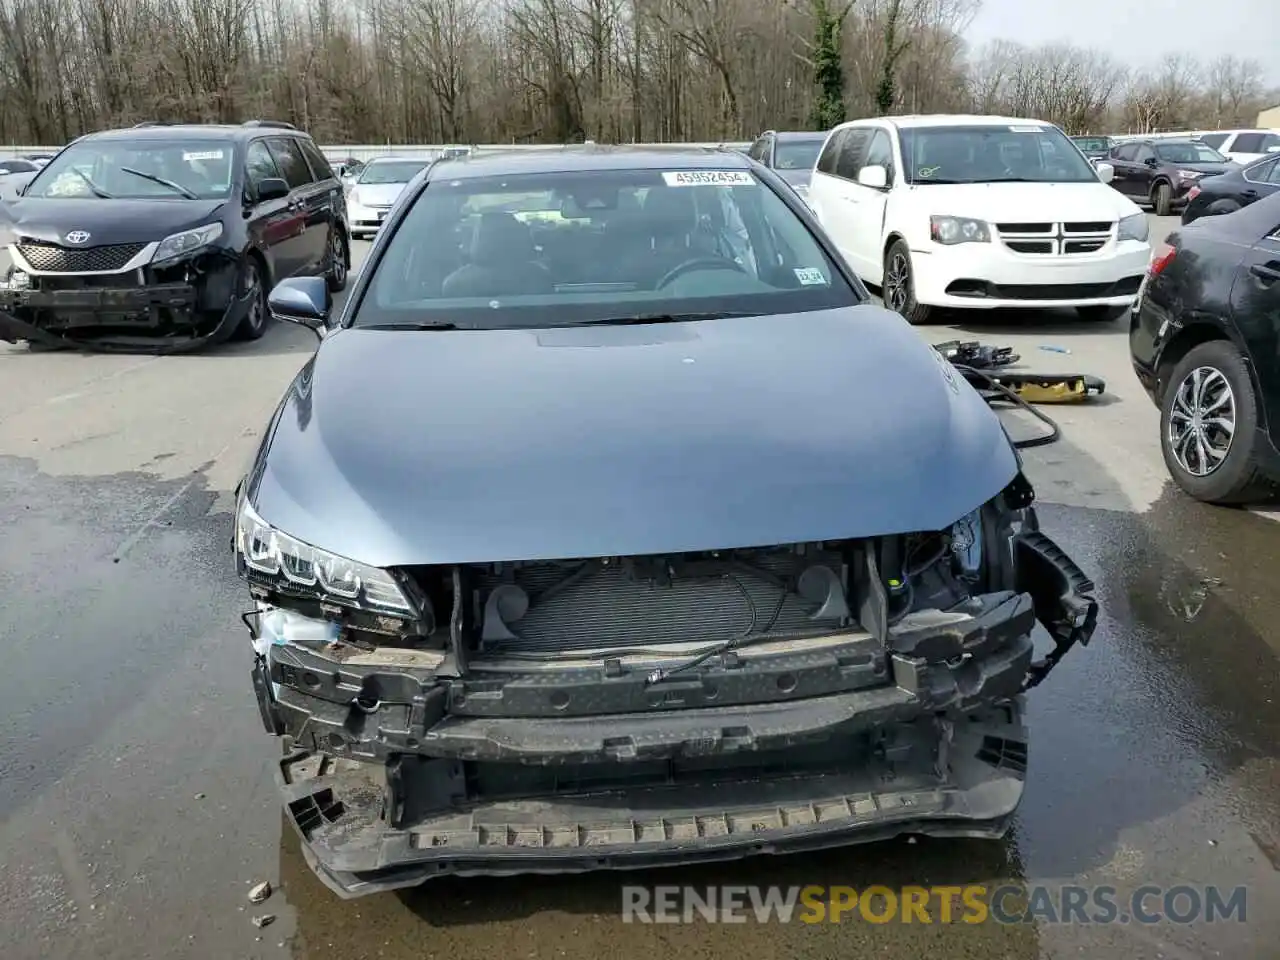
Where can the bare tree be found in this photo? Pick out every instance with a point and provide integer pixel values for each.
(1234, 84)
(418, 71)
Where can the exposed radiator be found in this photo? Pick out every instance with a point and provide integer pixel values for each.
(577, 606)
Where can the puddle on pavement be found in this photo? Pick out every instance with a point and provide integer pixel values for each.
(1175, 698)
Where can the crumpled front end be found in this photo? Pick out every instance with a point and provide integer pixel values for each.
(117, 297)
(631, 712)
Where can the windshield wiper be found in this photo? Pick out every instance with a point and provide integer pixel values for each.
(419, 325)
(97, 190)
(640, 318)
(1015, 180)
(162, 181)
(937, 180)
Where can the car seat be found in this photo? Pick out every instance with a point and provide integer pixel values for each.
(502, 262)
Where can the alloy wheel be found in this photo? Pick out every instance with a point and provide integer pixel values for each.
(897, 281)
(1202, 421)
(253, 288)
(337, 260)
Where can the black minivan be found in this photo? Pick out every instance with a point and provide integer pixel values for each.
(166, 238)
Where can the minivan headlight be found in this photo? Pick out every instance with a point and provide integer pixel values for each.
(269, 556)
(952, 230)
(188, 240)
(1134, 227)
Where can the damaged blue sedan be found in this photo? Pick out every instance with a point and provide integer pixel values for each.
(612, 525)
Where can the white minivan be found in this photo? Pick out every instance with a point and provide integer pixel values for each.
(978, 212)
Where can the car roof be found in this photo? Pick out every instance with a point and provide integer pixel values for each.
(369, 163)
(585, 159)
(799, 134)
(920, 120)
(192, 131)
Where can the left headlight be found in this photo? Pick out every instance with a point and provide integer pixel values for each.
(187, 241)
(952, 230)
(1134, 227)
(277, 559)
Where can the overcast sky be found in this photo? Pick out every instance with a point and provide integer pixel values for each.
(1140, 32)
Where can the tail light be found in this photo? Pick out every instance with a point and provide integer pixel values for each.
(1159, 263)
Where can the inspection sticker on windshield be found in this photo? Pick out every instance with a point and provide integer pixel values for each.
(810, 276)
(707, 178)
(203, 155)
(1026, 129)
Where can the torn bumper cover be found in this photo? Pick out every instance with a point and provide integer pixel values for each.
(176, 307)
(395, 773)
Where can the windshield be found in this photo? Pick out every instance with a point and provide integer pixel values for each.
(575, 247)
(395, 171)
(797, 154)
(1188, 153)
(1270, 143)
(1093, 144)
(147, 169)
(989, 154)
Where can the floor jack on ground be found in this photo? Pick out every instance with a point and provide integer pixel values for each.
(981, 366)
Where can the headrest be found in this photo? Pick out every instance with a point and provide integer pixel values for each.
(669, 210)
(499, 239)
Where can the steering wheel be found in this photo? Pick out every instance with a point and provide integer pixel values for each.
(697, 263)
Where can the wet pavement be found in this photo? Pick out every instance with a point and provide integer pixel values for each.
(136, 798)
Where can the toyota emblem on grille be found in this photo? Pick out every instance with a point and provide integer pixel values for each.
(77, 236)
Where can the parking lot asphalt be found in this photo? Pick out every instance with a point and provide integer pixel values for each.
(136, 797)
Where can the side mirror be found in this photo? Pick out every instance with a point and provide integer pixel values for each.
(875, 177)
(1106, 172)
(305, 301)
(1150, 162)
(272, 188)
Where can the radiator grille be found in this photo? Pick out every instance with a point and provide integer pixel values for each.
(50, 256)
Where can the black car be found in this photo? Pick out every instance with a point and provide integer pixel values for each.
(167, 238)
(792, 155)
(1094, 148)
(655, 591)
(1203, 341)
(1162, 172)
(1228, 192)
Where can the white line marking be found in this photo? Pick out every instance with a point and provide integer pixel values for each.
(137, 535)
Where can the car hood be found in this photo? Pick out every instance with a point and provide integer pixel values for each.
(395, 447)
(1023, 202)
(377, 194)
(106, 221)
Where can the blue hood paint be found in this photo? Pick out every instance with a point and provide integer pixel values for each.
(415, 447)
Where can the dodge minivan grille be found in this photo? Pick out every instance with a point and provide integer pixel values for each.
(1056, 239)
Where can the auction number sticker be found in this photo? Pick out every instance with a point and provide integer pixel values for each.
(810, 276)
(1026, 129)
(203, 155)
(707, 178)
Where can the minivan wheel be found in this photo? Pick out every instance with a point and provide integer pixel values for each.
(339, 263)
(1162, 199)
(898, 290)
(1209, 426)
(258, 317)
